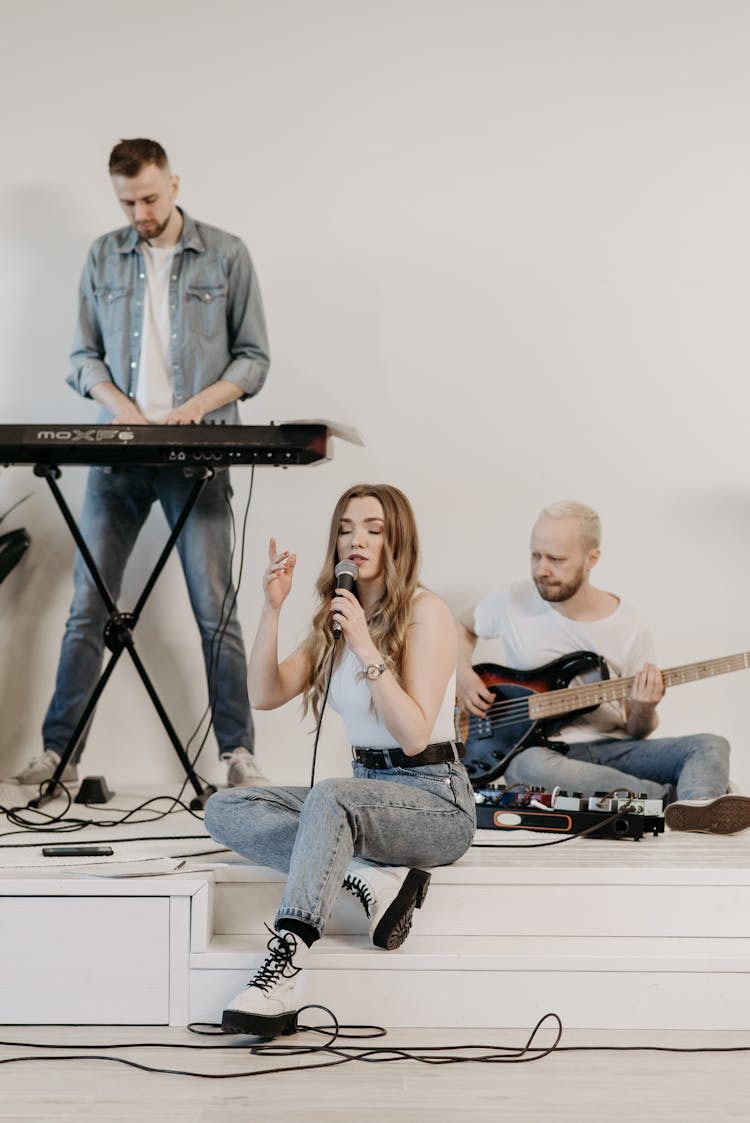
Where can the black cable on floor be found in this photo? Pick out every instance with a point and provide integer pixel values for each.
(338, 1054)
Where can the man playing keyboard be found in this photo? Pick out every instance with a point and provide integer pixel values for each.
(170, 330)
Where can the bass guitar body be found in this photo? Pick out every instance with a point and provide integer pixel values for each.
(492, 741)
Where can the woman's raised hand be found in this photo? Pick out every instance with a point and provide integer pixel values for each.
(277, 579)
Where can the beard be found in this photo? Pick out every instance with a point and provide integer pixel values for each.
(150, 230)
(557, 591)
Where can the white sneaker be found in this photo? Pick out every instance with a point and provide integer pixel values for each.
(42, 768)
(266, 1006)
(243, 770)
(390, 894)
(727, 814)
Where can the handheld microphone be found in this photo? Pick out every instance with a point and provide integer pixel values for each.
(346, 574)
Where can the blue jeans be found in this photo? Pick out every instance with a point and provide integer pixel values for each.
(396, 817)
(116, 505)
(695, 767)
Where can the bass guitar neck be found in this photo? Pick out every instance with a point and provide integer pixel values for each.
(530, 706)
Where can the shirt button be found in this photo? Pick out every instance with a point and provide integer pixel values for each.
(173, 306)
(174, 276)
(174, 335)
(136, 334)
(132, 366)
(142, 275)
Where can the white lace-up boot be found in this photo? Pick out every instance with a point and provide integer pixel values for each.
(390, 894)
(266, 1007)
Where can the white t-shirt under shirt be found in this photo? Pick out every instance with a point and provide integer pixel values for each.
(534, 633)
(154, 393)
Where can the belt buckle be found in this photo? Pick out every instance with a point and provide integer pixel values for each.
(368, 758)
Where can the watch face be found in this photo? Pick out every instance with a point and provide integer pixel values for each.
(375, 670)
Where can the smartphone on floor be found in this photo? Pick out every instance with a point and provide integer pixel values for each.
(77, 851)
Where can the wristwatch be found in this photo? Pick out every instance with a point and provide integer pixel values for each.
(374, 670)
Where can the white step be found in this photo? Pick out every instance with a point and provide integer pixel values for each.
(462, 901)
(617, 934)
(500, 981)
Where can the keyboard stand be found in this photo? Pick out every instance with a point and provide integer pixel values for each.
(118, 636)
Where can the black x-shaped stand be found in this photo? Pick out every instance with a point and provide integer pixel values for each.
(118, 636)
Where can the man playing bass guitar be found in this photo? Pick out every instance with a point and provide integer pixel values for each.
(542, 623)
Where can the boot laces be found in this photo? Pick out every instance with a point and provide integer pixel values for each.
(279, 963)
(361, 890)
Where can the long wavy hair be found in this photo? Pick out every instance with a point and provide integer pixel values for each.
(389, 619)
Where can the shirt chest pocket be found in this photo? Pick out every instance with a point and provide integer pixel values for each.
(207, 308)
(112, 307)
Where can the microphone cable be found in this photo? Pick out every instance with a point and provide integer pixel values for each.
(329, 676)
(345, 576)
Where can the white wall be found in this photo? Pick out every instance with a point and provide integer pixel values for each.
(507, 239)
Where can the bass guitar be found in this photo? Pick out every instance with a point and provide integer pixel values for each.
(531, 705)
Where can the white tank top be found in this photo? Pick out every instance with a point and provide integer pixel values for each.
(350, 696)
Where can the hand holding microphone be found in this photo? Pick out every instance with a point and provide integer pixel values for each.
(346, 574)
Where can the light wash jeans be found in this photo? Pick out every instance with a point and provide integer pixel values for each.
(115, 508)
(695, 767)
(396, 817)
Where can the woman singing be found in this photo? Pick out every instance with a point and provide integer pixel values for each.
(409, 803)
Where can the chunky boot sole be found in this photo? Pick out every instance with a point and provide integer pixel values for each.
(728, 814)
(259, 1025)
(395, 923)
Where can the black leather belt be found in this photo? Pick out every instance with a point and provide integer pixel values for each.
(439, 753)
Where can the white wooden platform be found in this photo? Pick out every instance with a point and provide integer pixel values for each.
(611, 934)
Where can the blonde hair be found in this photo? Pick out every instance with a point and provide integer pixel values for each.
(390, 616)
(589, 523)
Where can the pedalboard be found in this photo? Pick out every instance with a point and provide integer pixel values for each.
(603, 815)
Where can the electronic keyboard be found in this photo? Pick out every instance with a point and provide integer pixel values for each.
(154, 445)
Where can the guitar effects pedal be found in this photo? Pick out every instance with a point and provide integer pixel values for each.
(603, 815)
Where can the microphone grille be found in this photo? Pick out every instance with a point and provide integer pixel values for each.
(346, 567)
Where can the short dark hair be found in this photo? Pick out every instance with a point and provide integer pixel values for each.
(128, 157)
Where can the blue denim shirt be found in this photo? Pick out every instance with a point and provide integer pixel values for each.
(217, 324)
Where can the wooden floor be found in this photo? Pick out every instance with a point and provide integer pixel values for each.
(569, 1087)
(564, 1087)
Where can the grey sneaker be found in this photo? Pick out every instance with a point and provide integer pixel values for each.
(727, 814)
(42, 768)
(243, 770)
